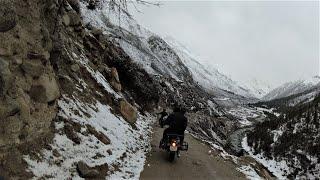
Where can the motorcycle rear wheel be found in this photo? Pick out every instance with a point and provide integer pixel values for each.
(171, 156)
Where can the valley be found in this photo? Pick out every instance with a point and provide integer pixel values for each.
(81, 83)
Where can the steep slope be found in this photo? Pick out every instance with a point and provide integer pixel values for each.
(289, 145)
(78, 92)
(292, 88)
(65, 112)
(164, 56)
(207, 76)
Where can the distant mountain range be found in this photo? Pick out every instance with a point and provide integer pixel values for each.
(291, 88)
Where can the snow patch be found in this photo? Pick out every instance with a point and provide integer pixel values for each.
(124, 139)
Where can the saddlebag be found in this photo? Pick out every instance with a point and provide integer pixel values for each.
(184, 146)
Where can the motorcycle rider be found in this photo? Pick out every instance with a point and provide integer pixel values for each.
(177, 123)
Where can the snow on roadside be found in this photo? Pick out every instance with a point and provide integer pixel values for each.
(277, 168)
(249, 172)
(124, 140)
(244, 168)
(216, 147)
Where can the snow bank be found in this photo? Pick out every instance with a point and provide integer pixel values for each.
(124, 140)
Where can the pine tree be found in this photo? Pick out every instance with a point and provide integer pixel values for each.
(316, 118)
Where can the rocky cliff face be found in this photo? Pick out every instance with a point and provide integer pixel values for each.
(42, 45)
(28, 83)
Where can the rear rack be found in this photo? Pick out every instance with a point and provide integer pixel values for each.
(178, 135)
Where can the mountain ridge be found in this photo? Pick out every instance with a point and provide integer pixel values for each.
(291, 88)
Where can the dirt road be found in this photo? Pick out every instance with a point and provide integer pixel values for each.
(196, 164)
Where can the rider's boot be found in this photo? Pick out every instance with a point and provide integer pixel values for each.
(161, 143)
(178, 154)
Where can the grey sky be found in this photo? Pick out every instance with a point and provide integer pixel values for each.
(272, 41)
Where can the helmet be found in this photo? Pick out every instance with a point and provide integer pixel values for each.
(179, 108)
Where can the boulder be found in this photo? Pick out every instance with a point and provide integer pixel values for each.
(66, 20)
(6, 77)
(99, 135)
(116, 86)
(7, 17)
(115, 75)
(115, 81)
(45, 89)
(34, 68)
(75, 67)
(71, 19)
(85, 171)
(128, 111)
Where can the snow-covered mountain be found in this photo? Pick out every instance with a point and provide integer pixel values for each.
(289, 144)
(165, 56)
(206, 75)
(292, 88)
(258, 87)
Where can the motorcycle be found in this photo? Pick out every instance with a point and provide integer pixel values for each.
(173, 145)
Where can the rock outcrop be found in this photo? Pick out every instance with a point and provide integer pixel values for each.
(44, 90)
(28, 87)
(85, 171)
(128, 111)
(115, 81)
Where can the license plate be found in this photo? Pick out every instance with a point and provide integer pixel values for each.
(173, 148)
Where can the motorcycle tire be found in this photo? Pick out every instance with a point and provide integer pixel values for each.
(171, 156)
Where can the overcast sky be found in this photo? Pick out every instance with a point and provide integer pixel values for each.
(272, 41)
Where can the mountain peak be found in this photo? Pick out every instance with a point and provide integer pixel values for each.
(293, 87)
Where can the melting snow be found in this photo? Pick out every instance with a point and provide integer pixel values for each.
(124, 139)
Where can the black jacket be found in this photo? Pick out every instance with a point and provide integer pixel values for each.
(177, 122)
